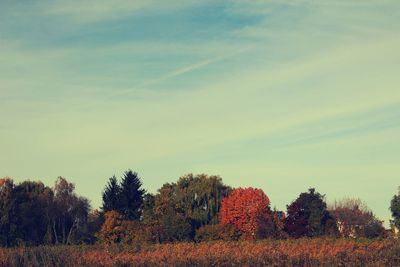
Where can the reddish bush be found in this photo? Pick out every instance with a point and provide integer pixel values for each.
(247, 209)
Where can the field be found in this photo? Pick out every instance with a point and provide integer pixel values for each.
(302, 252)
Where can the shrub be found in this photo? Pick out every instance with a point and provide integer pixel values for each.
(117, 230)
(214, 232)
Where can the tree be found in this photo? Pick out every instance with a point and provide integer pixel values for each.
(24, 213)
(8, 213)
(148, 214)
(199, 197)
(94, 223)
(33, 214)
(395, 209)
(111, 195)
(307, 215)
(32, 200)
(248, 210)
(126, 198)
(274, 225)
(70, 213)
(354, 219)
(131, 196)
(182, 207)
(170, 216)
(111, 230)
(116, 229)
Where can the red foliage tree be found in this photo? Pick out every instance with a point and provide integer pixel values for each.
(247, 209)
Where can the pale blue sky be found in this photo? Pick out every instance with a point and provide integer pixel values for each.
(276, 94)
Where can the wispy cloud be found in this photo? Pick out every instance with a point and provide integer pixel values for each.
(181, 71)
(99, 10)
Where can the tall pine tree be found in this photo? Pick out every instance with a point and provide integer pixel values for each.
(111, 195)
(131, 196)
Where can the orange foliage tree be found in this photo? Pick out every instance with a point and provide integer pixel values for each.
(116, 229)
(247, 209)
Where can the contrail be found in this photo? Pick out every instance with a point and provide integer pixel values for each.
(182, 71)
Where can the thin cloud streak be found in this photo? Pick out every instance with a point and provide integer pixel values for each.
(181, 71)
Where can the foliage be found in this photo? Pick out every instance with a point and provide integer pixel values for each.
(94, 222)
(8, 213)
(183, 207)
(354, 219)
(395, 209)
(199, 197)
(111, 230)
(148, 214)
(213, 232)
(33, 214)
(176, 227)
(131, 196)
(247, 209)
(196, 207)
(111, 195)
(126, 198)
(32, 201)
(116, 229)
(274, 225)
(71, 212)
(307, 215)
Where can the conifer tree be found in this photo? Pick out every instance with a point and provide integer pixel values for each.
(111, 195)
(131, 196)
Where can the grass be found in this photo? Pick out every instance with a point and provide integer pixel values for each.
(301, 252)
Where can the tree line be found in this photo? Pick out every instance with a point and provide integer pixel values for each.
(195, 208)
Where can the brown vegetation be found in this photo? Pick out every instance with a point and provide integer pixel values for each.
(300, 252)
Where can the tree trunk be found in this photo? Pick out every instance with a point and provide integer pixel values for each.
(55, 232)
(70, 231)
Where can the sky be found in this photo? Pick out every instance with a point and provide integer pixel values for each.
(276, 94)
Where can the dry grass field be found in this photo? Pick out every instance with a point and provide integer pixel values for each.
(301, 252)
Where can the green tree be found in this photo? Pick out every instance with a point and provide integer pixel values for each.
(111, 195)
(131, 196)
(170, 216)
(395, 209)
(307, 215)
(24, 213)
(193, 201)
(33, 214)
(199, 197)
(148, 214)
(32, 201)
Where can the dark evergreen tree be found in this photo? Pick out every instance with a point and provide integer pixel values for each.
(111, 195)
(131, 196)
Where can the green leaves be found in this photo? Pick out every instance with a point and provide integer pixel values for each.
(307, 215)
(395, 209)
